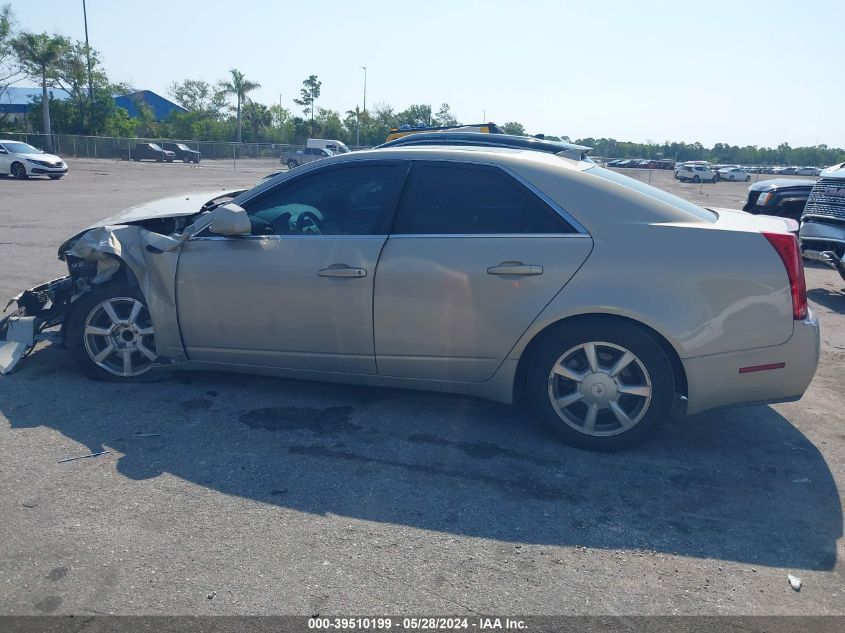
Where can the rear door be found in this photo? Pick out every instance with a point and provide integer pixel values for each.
(474, 257)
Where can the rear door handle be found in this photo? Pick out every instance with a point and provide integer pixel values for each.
(515, 268)
(342, 270)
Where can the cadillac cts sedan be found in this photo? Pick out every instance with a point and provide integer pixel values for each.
(502, 273)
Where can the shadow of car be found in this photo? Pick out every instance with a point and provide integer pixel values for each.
(741, 485)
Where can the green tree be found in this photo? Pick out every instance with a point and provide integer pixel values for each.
(9, 65)
(310, 92)
(512, 127)
(39, 54)
(416, 115)
(444, 116)
(238, 86)
(199, 97)
(257, 116)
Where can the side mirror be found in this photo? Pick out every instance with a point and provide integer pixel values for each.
(230, 219)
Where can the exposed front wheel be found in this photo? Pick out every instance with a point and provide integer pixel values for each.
(19, 171)
(603, 385)
(111, 333)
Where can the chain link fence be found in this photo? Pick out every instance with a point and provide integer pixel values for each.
(116, 148)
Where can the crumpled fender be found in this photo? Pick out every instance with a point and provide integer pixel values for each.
(154, 270)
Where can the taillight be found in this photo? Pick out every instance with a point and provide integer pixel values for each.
(787, 248)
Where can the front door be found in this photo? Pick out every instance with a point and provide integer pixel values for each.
(297, 292)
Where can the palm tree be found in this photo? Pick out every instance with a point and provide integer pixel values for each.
(238, 87)
(38, 53)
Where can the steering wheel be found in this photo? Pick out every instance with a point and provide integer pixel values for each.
(308, 222)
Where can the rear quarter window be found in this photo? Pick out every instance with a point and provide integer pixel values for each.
(653, 192)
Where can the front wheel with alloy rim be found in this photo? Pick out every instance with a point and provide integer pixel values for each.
(602, 385)
(19, 171)
(111, 333)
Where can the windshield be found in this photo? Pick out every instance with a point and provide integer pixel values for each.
(183, 147)
(21, 148)
(340, 148)
(654, 192)
(156, 147)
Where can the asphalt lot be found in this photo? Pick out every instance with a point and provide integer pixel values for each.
(225, 494)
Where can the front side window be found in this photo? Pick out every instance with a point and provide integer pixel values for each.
(456, 199)
(21, 148)
(349, 200)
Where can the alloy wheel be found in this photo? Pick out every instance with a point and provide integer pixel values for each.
(599, 388)
(119, 337)
(18, 170)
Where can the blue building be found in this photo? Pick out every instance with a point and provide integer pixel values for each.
(16, 103)
(161, 107)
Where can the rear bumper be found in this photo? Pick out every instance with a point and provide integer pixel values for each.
(716, 381)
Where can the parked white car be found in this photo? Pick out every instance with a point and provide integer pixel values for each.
(696, 173)
(22, 160)
(732, 174)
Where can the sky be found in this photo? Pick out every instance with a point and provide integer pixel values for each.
(743, 72)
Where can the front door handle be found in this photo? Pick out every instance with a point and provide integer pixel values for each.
(515, 268)
(342, 270)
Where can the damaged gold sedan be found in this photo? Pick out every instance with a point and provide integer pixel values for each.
(485, 271)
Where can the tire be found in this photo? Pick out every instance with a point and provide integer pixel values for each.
(696, 179)
(748, 179)
(292, 163)
(619, 420)
(186, 160)
(91, 330)
(169, 160)
(56, 176)
(19, 171)
(731, 178)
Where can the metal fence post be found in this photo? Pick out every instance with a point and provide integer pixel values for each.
(74, 147)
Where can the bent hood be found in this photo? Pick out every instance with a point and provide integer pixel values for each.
(177, 206)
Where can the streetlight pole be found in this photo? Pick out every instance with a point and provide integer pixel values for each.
(88, 52)
(365, 87)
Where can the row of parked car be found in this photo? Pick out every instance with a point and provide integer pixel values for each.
(641, 163)
(162, 153)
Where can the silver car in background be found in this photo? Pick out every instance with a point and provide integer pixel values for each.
(500, 273)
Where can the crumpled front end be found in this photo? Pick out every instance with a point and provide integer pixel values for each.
(140, 247)
(38, 308)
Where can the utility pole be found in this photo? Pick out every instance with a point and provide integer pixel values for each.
(88, 53)
(280, 110)
(365, 87)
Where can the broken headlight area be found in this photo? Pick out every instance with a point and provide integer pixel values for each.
(38, 309)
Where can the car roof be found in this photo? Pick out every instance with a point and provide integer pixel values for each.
(478, 139)
(469, 153)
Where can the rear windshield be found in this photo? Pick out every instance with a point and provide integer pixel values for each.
(654, 192)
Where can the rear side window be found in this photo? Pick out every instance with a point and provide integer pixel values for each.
(447, 199)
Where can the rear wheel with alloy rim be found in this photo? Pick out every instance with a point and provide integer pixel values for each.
(112, 334)
(292, 163)
(602, 385)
